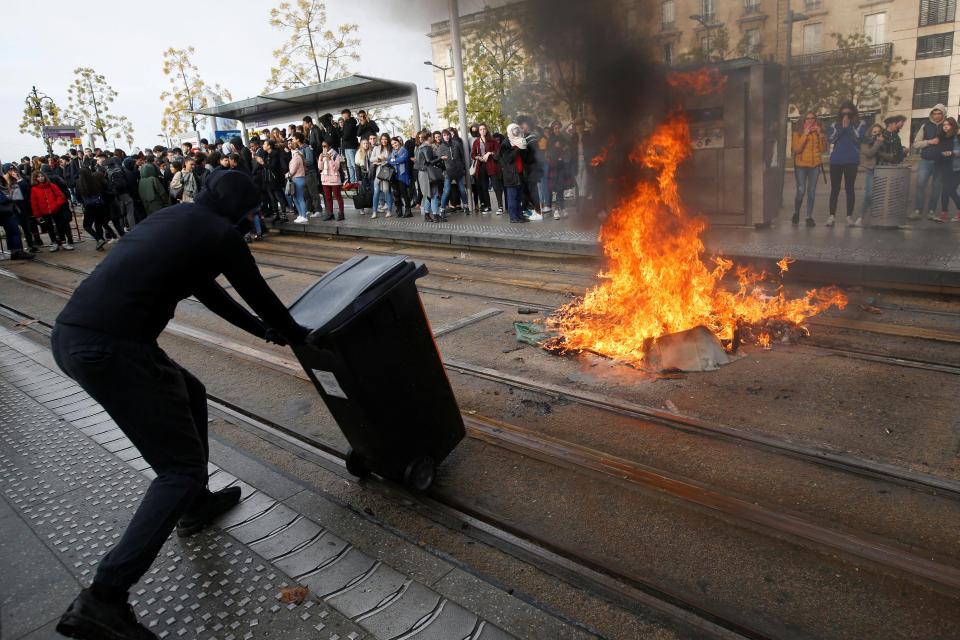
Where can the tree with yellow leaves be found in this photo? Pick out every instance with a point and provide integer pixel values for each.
(89, 100)
(39, 111)
(313, 53)
(188, 92)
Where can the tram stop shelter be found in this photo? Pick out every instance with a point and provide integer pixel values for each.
(352, 92)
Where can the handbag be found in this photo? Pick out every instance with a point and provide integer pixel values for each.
(289, 189)
(474, 166)
(434, 173)
(91, 201)
(385, 172)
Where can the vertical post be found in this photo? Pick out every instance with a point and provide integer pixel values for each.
(785, 102)
(461, 93)
(415, 105)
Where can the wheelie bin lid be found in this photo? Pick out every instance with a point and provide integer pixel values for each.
(349, 288)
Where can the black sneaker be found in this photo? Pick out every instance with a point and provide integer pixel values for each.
(811, 223)
(212, 507)
(88, 618)
(795, 220)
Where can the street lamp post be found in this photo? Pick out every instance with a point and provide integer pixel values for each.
(792, 17)
(446, 99)
(38, 99)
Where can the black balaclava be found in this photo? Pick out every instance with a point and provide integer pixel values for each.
(231, 194)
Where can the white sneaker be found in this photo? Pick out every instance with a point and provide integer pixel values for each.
(556, 215)
(499, 212)
(311, 214)
(373, 215)
(849, 221)
(68, 247)
(113, 240)
(546, 210)
(831, 221)
(54, 248)
(857, 223)
(301, 220)
(387, 214)
(536, 217)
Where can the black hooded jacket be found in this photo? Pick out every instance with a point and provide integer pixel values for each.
(175, 253)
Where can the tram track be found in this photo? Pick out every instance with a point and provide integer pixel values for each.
(546, 448)
(856, 465)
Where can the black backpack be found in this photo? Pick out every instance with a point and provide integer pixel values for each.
(116, 180)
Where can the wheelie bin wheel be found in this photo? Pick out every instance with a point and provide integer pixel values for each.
(356, 464)
(420, 473)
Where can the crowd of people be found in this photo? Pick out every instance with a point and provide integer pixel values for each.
(304, 169)
(853, 144)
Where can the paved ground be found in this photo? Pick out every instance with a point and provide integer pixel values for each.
(70, 481)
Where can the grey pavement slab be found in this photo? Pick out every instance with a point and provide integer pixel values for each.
(75, 498)
(35, 586)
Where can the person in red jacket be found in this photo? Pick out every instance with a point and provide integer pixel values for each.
(484, 155)
(46, 201)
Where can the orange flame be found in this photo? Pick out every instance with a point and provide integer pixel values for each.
(601, 157)
(785, 263)
(702, 82)
(656, 281)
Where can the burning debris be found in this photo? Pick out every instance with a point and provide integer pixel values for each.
(657, 283)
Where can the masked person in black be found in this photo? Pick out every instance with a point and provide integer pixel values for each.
(106, 339)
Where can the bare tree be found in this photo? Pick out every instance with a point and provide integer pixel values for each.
(313, 53)
(90, 100)
(187, 93)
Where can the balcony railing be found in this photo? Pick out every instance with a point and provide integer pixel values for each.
(751, 7)
(871, 53)
(813, 5)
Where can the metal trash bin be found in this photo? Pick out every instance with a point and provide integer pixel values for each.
(372, 357)
(891, 197)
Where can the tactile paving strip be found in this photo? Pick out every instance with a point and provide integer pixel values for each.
(79, 492)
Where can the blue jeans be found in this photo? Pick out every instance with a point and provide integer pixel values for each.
(806, 185)
(513, 202)
(351, 156)
(545, 195)
(447, 182)
(431, 201)
(868, 194)
(377, 192)
(8, 219)
(299, 186)
(927, 171)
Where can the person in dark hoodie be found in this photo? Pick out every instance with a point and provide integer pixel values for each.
(845, 135)
(106, 339)
(153, 194)
(348, 138)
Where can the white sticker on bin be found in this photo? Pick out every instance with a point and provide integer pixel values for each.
(329, 383)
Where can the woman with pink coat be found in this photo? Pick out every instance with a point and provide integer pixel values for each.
(329, 165)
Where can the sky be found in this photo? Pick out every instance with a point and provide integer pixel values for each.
(125, 41)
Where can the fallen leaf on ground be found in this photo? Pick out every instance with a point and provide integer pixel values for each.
(294, 595)
(671, 407)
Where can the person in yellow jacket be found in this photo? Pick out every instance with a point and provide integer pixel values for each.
(808, 146)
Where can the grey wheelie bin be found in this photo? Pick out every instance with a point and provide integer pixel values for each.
(371, 355)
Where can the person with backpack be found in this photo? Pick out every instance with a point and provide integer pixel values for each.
(91, 187)
(46, 203)
(152, 192)
(454, 171)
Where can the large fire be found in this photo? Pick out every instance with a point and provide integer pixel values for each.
(656, 281)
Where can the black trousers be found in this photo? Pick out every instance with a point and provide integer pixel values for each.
(847, 172)
(949, 180)
(162, 409)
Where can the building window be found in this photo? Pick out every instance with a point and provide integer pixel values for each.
(751, 6)
(708, 11)
(751, 39)
(668, 53)
(813, 5)
(812, 37)
(935, 46)
(707, 44)
(875, 27)
(931, 91)
(668, 15)
(937, 11)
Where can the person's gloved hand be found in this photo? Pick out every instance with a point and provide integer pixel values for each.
(274, 337)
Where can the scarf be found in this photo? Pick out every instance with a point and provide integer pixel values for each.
(515, 135)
